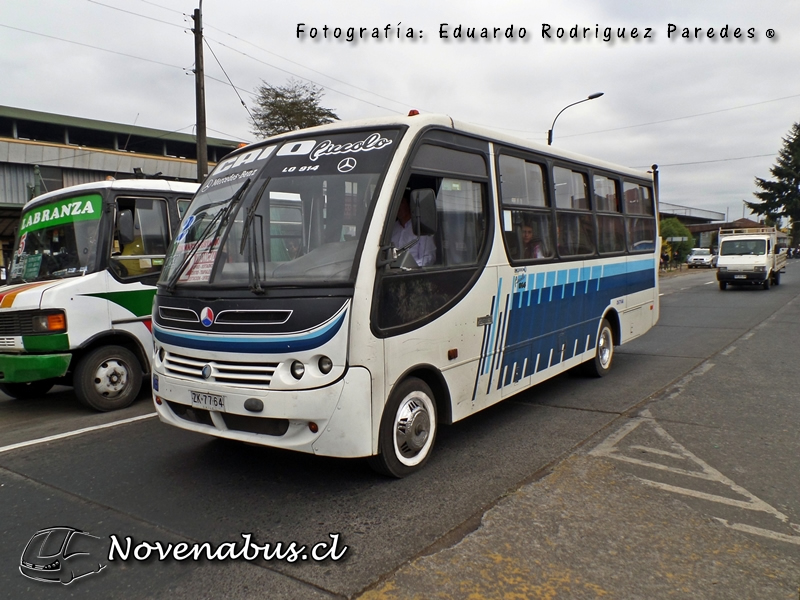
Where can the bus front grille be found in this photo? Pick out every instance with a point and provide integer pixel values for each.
(228, 372)
(17, 322)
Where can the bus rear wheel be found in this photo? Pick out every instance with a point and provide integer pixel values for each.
(407, 431)
(108, 378)
(26, 391)
(600, 365)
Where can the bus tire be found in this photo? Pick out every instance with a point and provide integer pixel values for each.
(27, 391)
(408, 430)
(108, 378)
(600, 365)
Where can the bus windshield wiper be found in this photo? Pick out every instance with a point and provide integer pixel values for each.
(251, 212)
(215, 225)
(252, 261)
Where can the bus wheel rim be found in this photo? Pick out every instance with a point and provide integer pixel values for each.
(111, 378)
(412, 430)
(605, 348)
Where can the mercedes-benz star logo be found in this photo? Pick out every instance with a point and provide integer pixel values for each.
(346, 165)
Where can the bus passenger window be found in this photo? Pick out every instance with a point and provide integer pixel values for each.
(529, 236)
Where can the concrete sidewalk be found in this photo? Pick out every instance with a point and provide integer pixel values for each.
(588, 530)
(596, 527)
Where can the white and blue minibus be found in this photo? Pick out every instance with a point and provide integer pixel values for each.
(286, 316)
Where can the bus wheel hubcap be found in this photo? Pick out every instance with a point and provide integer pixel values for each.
(604, 351)
(111, 378)
(412, 428)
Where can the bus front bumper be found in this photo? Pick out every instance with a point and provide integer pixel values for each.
(334, 420)
(24, 368)
(735, 277)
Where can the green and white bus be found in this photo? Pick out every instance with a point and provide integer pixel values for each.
(76, 310)
(315, 332)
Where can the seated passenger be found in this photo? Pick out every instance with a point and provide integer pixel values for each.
(531, 247)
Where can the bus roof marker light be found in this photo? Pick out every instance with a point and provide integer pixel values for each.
(413, 112)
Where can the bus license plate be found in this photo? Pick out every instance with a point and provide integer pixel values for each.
(740, 276)
(208, 401)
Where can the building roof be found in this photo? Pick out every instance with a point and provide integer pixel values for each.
(24, 114)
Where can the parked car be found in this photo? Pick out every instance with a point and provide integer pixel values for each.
(701, 257)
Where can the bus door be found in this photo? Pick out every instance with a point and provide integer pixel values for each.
(435, 308)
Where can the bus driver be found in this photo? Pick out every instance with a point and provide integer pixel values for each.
(424, 251)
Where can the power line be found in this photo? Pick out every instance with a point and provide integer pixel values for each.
(702, 162)
(301, 65)
(263, 62)
(229, 81)
(52, 37)
(164, 7)
(137, 14)
(330, 89)
(712, 112)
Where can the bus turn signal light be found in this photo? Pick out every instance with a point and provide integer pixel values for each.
(50, 323)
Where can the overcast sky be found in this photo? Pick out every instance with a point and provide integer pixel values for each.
(710, 111)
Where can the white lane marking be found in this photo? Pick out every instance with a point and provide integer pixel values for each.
(781, 537)
(728, 351)
(708, 282)
(68, 434)
(609, 449)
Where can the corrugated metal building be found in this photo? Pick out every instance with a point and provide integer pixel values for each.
(41, 152)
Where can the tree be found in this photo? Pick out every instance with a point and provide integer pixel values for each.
(780, 197)
(281, 108)
(673, 228)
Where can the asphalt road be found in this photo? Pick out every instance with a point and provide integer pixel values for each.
(662, 408)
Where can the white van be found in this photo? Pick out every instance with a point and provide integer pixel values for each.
(753, 256)
(76, 310)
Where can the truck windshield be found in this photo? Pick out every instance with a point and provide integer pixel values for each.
(299, 221)
(743, 247)
(57, 239)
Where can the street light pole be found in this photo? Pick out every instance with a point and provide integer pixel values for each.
(550, 131)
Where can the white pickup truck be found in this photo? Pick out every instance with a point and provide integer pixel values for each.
(751, 256)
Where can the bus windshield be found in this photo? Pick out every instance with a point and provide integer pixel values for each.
(282, 215)
(742, 247)
(57, 240)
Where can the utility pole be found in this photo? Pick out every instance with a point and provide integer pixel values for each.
(200, 95)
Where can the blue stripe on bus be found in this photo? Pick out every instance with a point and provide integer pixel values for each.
(557, 316)
(255, 345)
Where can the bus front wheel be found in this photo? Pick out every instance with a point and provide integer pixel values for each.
(600, 365)
(407, 431)
(108, 378)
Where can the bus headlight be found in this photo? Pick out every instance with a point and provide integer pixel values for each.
(325, 365)
(297, 369)
(54, 322)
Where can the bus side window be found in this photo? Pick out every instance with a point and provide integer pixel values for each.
(141, 236)
(413, 295)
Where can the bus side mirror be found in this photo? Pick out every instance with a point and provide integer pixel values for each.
(423, 211)
(125, 226)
